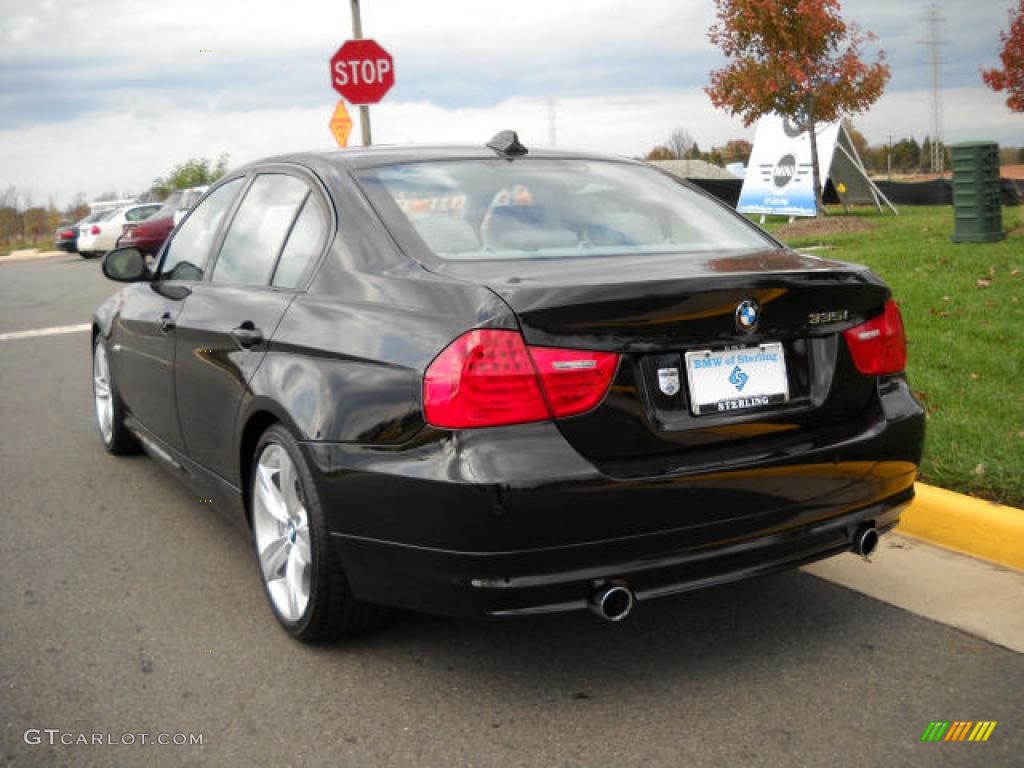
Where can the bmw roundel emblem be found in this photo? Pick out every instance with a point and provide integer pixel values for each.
(747, 314)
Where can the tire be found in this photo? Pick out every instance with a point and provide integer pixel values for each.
(107, 406)
(301, 576)
(90, 254)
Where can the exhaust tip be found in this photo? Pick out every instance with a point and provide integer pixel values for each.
(865, 541)
(613, 603)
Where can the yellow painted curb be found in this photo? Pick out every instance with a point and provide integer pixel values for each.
(976, 527)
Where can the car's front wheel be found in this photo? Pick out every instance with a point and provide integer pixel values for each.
(108, 406)
(301, 575)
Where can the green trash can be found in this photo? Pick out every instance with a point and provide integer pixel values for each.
(977, 208)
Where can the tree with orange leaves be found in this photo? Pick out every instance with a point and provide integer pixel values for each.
(1011, 77)
(795, 58)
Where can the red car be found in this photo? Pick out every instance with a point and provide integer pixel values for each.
(147, 235)
(150, 234)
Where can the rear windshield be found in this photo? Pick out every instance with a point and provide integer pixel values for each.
(470, 210)
(141, 213)
(171, 204)
(190, 196)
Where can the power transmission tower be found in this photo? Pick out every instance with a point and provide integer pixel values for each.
(552, 123)
(934, 41)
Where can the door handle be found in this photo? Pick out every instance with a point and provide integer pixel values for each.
(247, 335)
(166, 323)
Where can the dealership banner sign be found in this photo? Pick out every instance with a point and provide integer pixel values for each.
(780, 178)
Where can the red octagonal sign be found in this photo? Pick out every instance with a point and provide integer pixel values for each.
(362, 72)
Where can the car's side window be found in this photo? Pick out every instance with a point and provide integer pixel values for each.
(186, 254)
(303, 243)
(258, 231)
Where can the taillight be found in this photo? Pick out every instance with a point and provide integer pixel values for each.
(94, 230)
(573, 380)
(487, 378)
(879, 346)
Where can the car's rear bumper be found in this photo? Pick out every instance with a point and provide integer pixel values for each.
(144, 244)
(564, 578)
(70, 246)
(514, 520)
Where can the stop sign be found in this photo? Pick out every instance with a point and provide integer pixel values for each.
(362, 72)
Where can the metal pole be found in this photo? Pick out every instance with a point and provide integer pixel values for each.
(888, 160)
(875, 191)
(364, 110)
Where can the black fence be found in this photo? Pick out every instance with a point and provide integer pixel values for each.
(726, 190)
(940, 192)
(934, 192)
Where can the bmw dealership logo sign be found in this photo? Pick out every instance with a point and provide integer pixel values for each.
(779, 178)
(748, 313)
(784, 171)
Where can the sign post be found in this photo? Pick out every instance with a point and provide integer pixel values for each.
(364, 110)
(362, 72)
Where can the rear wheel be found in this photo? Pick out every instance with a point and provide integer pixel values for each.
(301, 575)
(108, 406)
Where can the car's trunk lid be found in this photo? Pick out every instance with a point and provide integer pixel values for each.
(654, 310)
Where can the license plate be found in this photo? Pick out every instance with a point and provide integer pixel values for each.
(736, 379)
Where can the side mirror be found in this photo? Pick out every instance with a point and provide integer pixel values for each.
(126, 265)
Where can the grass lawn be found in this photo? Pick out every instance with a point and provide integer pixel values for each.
(963, 307)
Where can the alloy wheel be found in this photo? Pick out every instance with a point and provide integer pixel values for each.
(102, 393)
(281, 530)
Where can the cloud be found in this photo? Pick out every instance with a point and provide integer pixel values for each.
(125, 151)
(20, 29)
(110, 94)
(969, 114)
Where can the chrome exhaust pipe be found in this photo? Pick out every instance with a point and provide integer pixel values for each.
(612, 603)
(865, 541)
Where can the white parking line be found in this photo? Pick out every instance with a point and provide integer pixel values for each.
(55, 331)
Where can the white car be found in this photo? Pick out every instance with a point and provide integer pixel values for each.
(100, 236)
(189, 197)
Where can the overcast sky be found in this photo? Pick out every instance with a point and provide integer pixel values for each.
(106, 95)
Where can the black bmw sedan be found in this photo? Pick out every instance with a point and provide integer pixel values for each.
(482, 380)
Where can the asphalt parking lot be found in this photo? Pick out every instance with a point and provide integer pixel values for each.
(129, 606)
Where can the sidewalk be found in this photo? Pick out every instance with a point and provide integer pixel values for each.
(30, 254)
(982, 599)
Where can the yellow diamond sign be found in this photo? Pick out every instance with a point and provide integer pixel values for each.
(341, 124)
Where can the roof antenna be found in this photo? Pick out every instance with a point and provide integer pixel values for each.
(507, 143)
